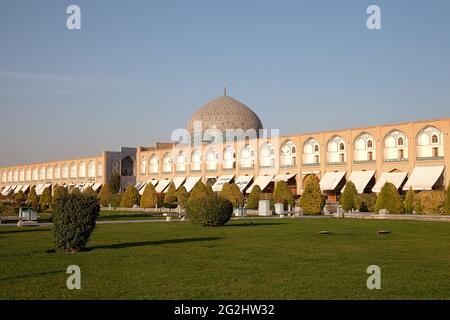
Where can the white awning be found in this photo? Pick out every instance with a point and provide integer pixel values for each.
(261, 181)
(5, 191)
(396, 178)
(140, 185)
(243, 181)
(217, 187)
(424, 178)
(162, 185)
(361, 179)
(178, 181)
(18, 188)
(283, 177)
(25, 188)
(154, 182)
(87, 185)
(330, 180)
(97, 186)
(39, 189)
(190, 183)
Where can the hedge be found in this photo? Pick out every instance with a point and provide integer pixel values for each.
(58, 193)
(74, 219)
(105, 195)
(182, 197)
(389, 199)
(232, 193)
(311, 199)
(33, 199)
(210, 211)
(46, 199)
(366, 202)
(409, 201)
(282, 194)
(254, 198)
(170, 197)
(149, 198)
(348, 197)
(130, 197)
(430, 202)
(199, 191)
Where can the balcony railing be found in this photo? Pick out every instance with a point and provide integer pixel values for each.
(339, 163)
(246, 167)
(363, 161)
(312, 164)
(396, 160)
(429, 158)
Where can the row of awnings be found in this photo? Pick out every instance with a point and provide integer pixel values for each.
(41, 187)
(422, 178)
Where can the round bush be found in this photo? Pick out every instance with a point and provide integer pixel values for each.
(209, 211)
(73, 221)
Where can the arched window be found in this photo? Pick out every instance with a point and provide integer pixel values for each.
(288, 154)
(143, 168)
(22, 175)
(181, 161)
(430, 143)
(364, 148)
(247, 157)
(154, 164)
(267, 156)
(229, 158)
(10, 176)
(57, 172)
(127, 167)
(65, 171)
(41, 173)
(35, 174)
(28, 174)
(395, 146)
(49, 173)
(311, 152)
(212, 158)
(167, 163)
(196, 160)
(4, 176)
(73, 170)
(91, 169)
(99, 169)
(82, 170)
(336, 153)
(16, 175)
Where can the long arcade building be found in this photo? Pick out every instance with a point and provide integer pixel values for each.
(412, 154)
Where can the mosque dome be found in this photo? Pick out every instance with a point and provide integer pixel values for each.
(225, 113)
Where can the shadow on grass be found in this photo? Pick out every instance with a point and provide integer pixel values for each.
(252, 224)
(30, 275)
(16, 230)
(125, 216)
(150, 243)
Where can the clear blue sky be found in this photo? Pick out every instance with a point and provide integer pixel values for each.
(138, 69)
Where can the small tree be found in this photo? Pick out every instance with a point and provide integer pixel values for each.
(115, 182)
(348, 197)
(198, 192)
(409, 201)
(232, 193)
(182, 197)
(74, 219)
(89, 192)
(254, 197)
(149, 198)
(170, 198)
(58, 193)
(447, 200)
(311, 198)
(105, 195)
(130, 197)
(210, 211)
(46, 199)
(209, 190)
(75, 191)
(389, 199)
(33, 199)
(20, 198)
(282, 194)
(366, 202)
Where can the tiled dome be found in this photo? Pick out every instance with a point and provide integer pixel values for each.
(225, 113)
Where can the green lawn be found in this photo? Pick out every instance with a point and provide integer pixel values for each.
(248, 259)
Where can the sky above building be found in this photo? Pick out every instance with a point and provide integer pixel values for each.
(137, 70)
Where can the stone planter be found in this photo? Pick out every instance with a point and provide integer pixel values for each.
(264, 208)
(279, 208)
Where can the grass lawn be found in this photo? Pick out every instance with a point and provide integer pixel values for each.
(247, 259)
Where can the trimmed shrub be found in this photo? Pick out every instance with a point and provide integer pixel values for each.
(89, 192)
(430, 202)
(130, 197)
(46, 199)
(20, 198)
(389, 199)
(170, 198)
(58, 193)
(409, 201)
(282, 194)
(366, 202)
(149, 198)
(232, 193)
(198, 192)
(254, 197)
(75, 191)
(116, 199)
(210, 211)
(348, 197)
(447, 200)
(182, 197)
(105, 195)
(114, 184)
(73, 221)
(311, 200)
(33, 199)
